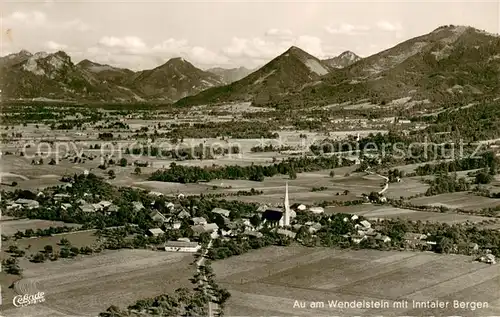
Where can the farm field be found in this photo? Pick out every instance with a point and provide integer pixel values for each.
(269, 281)
(300, 189)
(409, 186)
(462, 200)
(374, 212)
(36, 244)
(88, 285)
(9, 227)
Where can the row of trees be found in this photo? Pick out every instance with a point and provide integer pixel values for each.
(192, 174)
(486, 160)
(447, 183)
(200, 151)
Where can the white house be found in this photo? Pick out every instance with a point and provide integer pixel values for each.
(28, 203)
(155, 232)
(158, 216)
(173, 225)
(210, 228)
(183, 214)
(105, 203)
(287, 233)
(220, 211)
(301, 207)
(199, 221)
(65, 206)
(317, 210)
(182, 246)
(60, 196)
(137, 205)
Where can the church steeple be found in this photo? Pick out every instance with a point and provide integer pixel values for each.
(286, 205)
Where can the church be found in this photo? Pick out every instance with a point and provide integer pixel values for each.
(279, 217)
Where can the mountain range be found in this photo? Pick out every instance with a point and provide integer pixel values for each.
(448, 63)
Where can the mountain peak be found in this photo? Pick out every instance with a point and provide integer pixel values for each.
(295, 50)
(176, 60)
(24, 52)
(345, 59)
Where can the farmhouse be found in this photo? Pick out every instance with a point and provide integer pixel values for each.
(182, 246)
(317, 210)
(199, 221)
(183, 214)
(59, 197)
(113, 208)
(173, 225)
(415, 239)
(158, 216)
(382, 238)
(220, 211)
(137, 205)
(88, 208)
(28, 203)
(287, 233)
(155, 232)
(65, 206)
(363, 225)
(105, 203)
(206, 228)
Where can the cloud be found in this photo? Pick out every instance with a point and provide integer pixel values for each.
(347, 29)
(33, 18)
(279, 33)
(135, 53)
(76, 25)
(255, 48)
(311, 44)
(255, 51)
(54, 46)
(196, 54)
(389, 27)
(38, 19)
(127, 42)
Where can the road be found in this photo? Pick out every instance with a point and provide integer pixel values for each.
(386, 186)
(212, 306)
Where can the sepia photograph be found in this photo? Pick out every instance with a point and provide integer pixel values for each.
(249, 158)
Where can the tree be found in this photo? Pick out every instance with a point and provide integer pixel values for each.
(332, 174)
(374, 197)
(444, 245)
(65, 253)
(137, 171)
(123, 162)
(52, 161)
(292, 174)
(38, 258)
(48, 249)
(14, 184)
(111, 174)
(483, 178)
(64, 242)
(255, 220)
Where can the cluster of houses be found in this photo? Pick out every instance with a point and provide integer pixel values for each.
(279, 218)
(199, 225)
(364, 231)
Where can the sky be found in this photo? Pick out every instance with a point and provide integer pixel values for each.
(230, 33)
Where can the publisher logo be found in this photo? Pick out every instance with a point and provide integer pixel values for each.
(25, 300)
